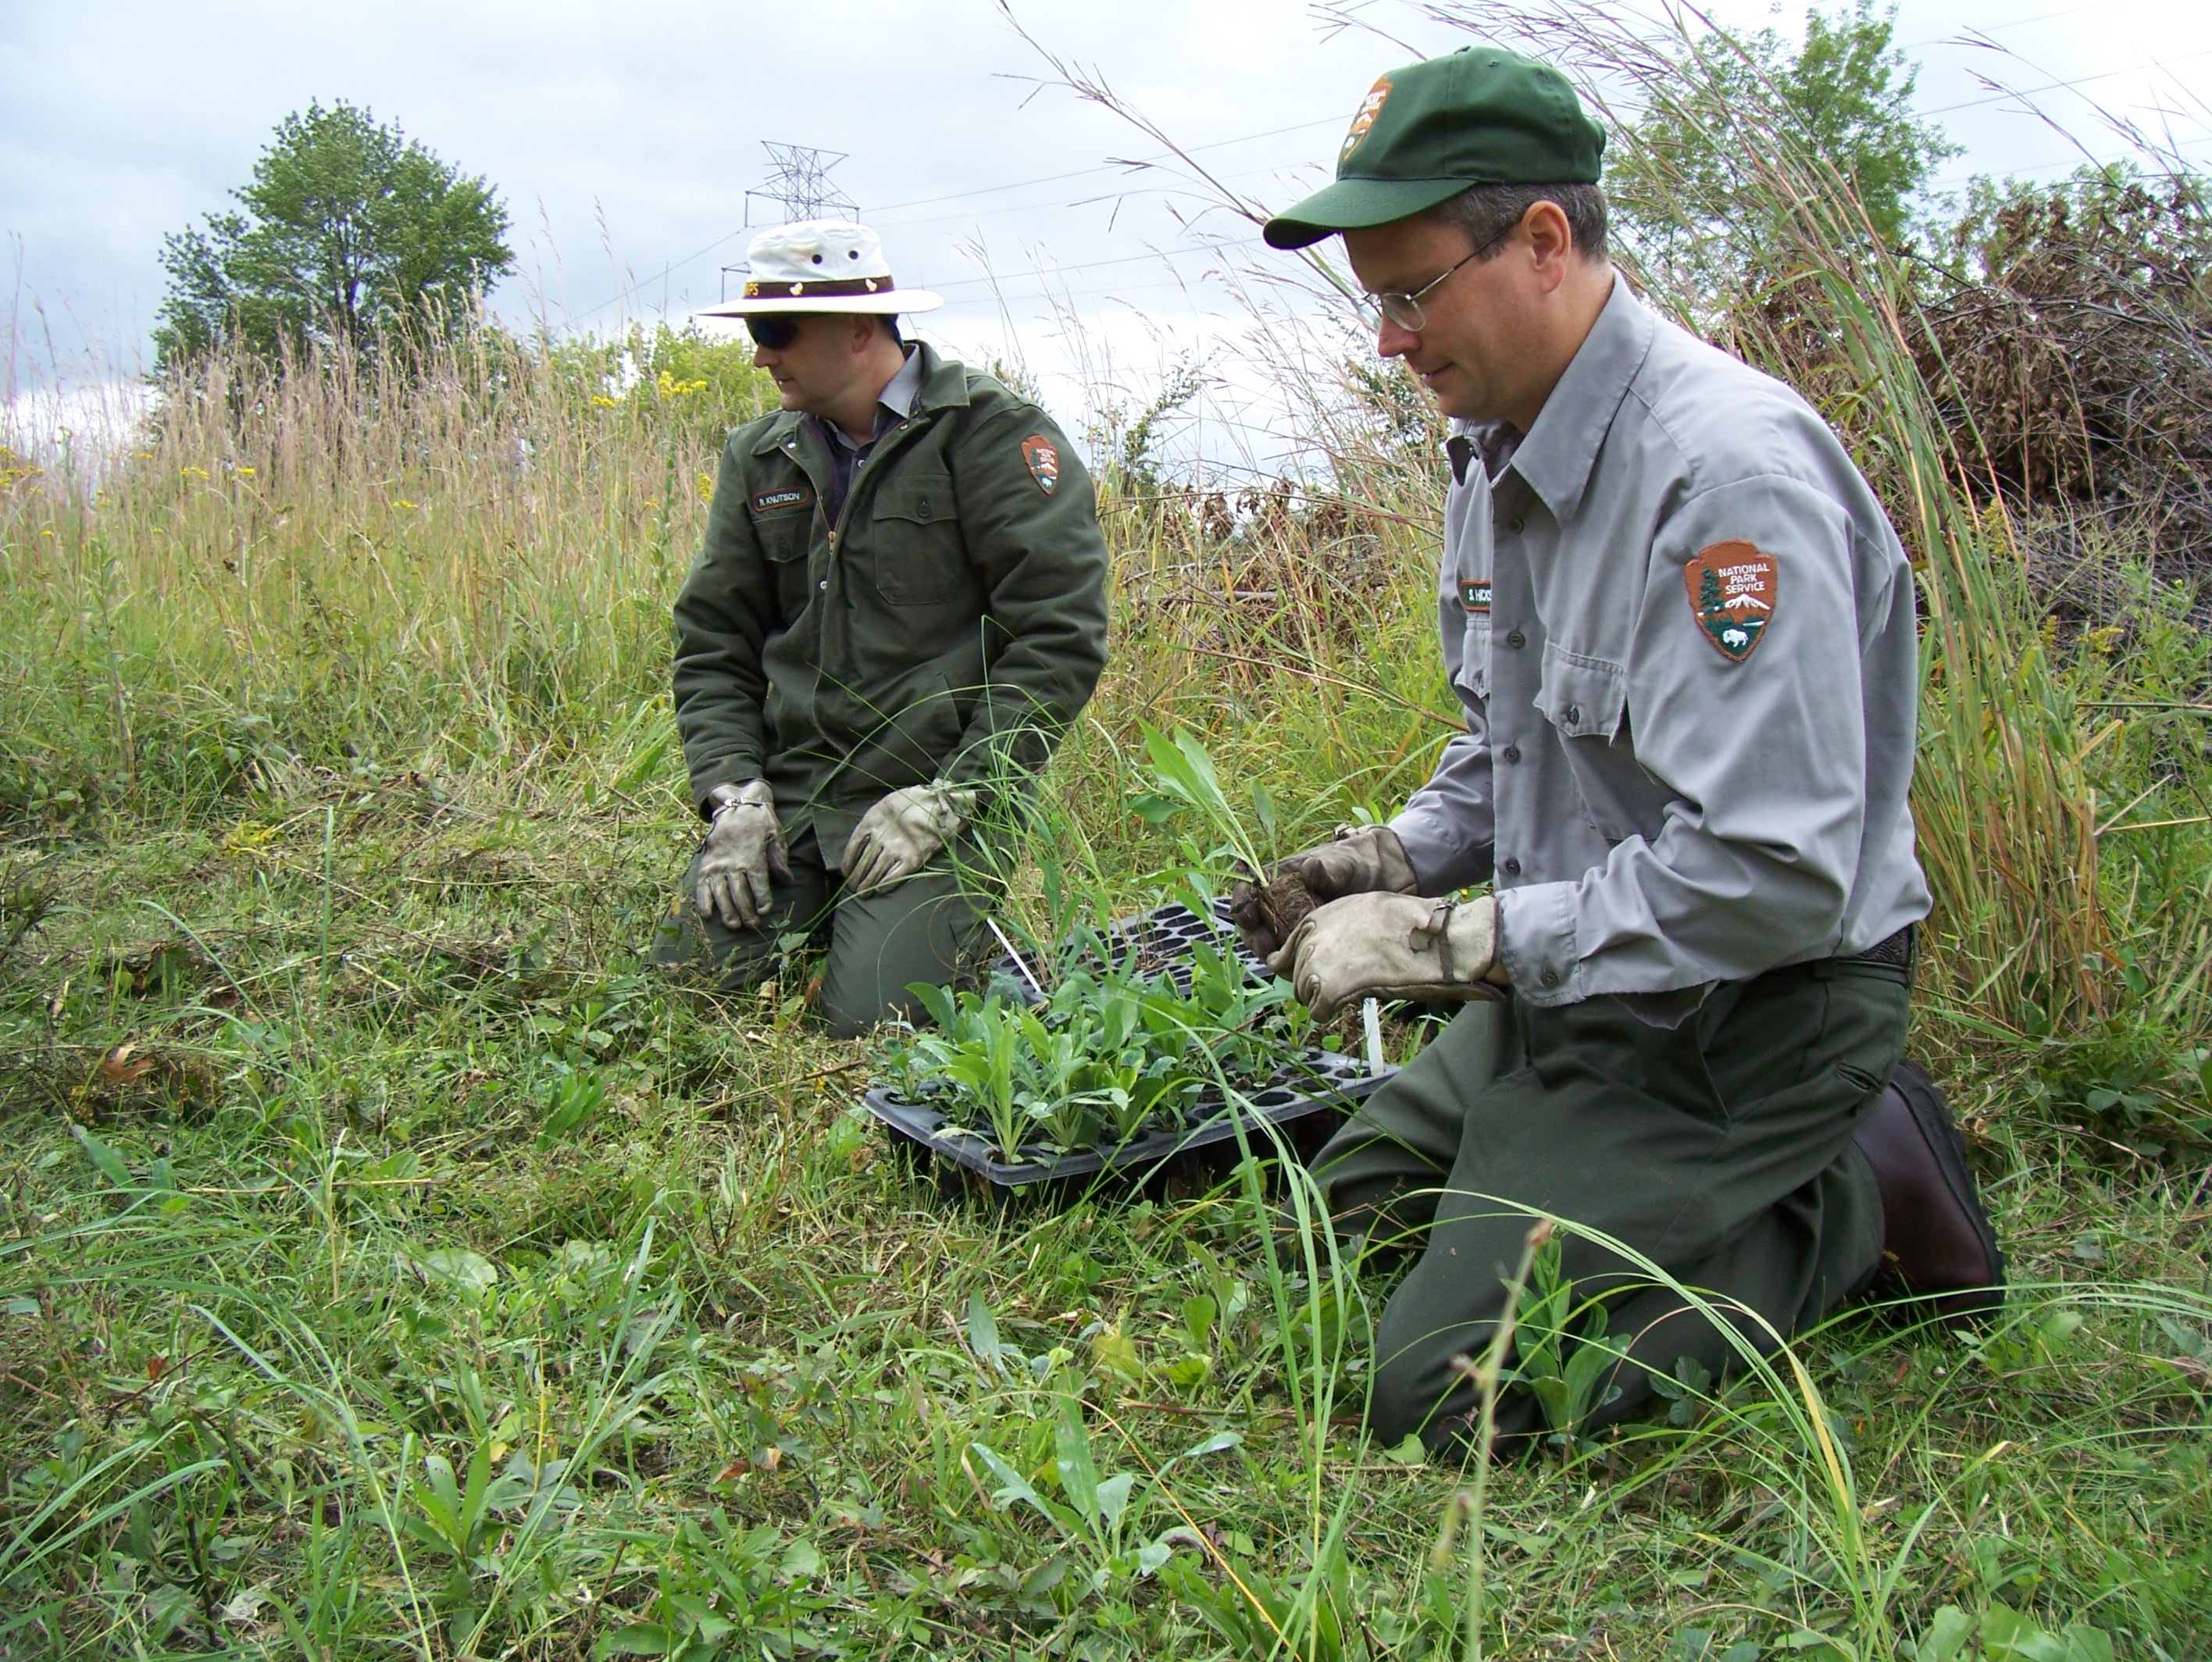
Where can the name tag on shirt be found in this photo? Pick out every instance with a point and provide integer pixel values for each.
(1474, 596)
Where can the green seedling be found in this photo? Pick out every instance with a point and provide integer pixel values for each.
(1112, 1054)
(1561, 1355)
(1101, 1516)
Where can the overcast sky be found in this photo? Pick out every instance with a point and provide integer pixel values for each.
(623, 138)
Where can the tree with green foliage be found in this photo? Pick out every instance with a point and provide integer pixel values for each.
(347, 232)
(1843, 98)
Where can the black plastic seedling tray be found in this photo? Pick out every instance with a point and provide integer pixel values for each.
(1162, 939)
(1322, 1079)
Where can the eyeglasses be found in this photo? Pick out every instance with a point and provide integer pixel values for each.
(1405, 310)
(774, 333)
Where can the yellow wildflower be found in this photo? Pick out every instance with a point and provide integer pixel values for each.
(402, 503)
(672, 388)
(243, 472)
(604, 402)
(706, 487)
(192, 473)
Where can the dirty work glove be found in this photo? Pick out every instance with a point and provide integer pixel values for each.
(1392, 946)
(1360, 860)
(744, 849)
(904, 833)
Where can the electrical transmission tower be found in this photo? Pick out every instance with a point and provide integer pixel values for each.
(799, 185)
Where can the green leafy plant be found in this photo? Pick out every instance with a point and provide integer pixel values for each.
(1560, 1354)
(1112, 1052)
(1101, 1516)
(1184, 778)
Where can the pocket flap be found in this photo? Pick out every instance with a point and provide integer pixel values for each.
(923, 498)
(1582, 697)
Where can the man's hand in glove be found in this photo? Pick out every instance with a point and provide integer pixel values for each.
(1362, 859)
(744, 849)
(904, 833)
(1392, 946)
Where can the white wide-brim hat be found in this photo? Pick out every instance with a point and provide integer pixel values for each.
(820, 265)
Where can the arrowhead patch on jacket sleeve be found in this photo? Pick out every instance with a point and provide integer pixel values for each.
(1044, 462)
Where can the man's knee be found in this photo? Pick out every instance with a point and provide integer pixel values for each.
(1402, 1401)
(853, 1012)
(924, 931)
(1414, 1381)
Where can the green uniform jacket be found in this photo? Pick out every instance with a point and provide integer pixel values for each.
(950, 624)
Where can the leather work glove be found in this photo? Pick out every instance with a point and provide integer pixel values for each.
(904, 833)
(744, 850)
(1361, 859)
(1392, 946)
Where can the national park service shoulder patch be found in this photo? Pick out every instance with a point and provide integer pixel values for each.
(1044, 462)
(1732, 588)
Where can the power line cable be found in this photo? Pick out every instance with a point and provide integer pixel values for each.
(674, 266)
(2068, 86)
(2016, 23)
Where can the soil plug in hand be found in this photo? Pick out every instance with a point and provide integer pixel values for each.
(1392, 946)
(743, 853)
(1362, 859)
(904, 833)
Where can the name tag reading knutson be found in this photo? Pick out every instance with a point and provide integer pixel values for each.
(790, 497)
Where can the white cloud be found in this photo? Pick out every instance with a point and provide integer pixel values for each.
(623, 138)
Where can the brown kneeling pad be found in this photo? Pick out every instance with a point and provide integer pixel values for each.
(1937, 1244)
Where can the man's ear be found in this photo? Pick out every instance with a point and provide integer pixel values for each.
(1550, 242)
(864, 332)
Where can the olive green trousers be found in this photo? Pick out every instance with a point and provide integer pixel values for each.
(926, 929)
(1720, 1151)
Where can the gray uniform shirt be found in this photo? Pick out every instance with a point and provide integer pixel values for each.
(1674, 781)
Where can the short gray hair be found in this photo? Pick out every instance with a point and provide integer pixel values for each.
(1488, 212)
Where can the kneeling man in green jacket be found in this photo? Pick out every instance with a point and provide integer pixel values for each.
(899, 606)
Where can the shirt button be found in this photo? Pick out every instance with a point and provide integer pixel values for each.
(1511, 868)
(1512, 753)
(922, 507)
(1516, 640)
(1574, 713)
(823, 584)
(1514, 525)
(1550, 978)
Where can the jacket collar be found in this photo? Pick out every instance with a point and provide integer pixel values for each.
(1556, 457)
(944, 385)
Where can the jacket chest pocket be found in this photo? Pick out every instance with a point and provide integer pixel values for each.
(783, 541)
(921, 559)
(1586, 702)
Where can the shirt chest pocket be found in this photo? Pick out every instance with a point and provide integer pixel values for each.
(1474, 676)
(1586, 701)
(920, 557)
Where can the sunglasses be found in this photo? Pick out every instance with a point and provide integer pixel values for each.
(774, 333)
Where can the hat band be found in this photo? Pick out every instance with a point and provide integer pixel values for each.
(824, 287)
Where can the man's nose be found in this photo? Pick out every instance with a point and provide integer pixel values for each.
(1392, 341)
(763, 358)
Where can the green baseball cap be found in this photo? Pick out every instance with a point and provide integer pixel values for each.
(1481, 115)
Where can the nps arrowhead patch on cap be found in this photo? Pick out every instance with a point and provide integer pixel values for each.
(1044, 462)
(1369, 108)
(1732, 587)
